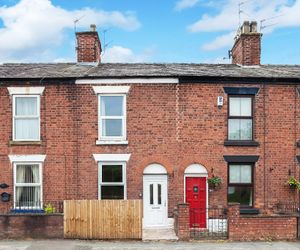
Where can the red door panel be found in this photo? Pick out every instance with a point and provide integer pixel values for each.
(196, 197)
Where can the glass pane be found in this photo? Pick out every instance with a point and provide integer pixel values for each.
(246, 129)
(242, 195)
(112, 173)
(240, 129)
(234, 129)
(151, 194)
(112, 192)
(26, 106)
(231, 190)
(246, 174)
(111, 105)
(234, 106)
(28, 197)
(246, 106)
(234, 174)
(112, 127)
(27, 174)
(27, 129)
(240, 106)
(159, 194)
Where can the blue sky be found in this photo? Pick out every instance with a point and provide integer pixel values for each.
(196, 31)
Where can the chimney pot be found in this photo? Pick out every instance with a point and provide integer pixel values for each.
(245, 27)
(253, 27)
(93, 27)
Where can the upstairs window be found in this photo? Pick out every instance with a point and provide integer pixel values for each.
(112, 117)
(240, 118)
(240, 184)
(26, 117)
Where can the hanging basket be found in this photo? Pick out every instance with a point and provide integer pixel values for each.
(214, 182)
(293, 183)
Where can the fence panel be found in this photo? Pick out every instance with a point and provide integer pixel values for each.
(103, 219)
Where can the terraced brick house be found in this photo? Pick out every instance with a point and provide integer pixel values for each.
(156, 132)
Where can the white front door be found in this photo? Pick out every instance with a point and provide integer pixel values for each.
(155, 200)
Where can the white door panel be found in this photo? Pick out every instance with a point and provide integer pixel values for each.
(155, 200)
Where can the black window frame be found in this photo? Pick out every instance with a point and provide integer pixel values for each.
(241, 184)
(241, 117)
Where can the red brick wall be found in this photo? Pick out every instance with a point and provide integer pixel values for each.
(58, 125)
(182, 221)
(249, 228)
(31, 226)
(174, 125)
(247, 49)
(88, 47)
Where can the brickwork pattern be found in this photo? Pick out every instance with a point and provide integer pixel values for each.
(182, 221)
(173, 125)
(88, 47)
(265, 227)
(247, 49)
(31, 226)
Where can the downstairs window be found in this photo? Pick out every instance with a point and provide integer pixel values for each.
(112, 181)
(240, 184)
(28, 186)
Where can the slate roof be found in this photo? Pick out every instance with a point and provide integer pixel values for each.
(119, 70)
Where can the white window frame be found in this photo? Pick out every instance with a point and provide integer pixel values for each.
(15, 164)
(124, 180)
(26, 117)
(112, 139)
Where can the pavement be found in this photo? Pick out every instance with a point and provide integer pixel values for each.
(135, 245)
(159, 234)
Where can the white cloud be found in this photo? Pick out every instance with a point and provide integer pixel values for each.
(119, 54)
(219, 42)
(184, 4)
(285, 11)
(34, 28)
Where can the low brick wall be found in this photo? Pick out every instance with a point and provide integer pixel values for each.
(16, 226)
(182, 221)
(260, 227)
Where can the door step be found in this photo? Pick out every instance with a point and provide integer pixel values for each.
(156, 234)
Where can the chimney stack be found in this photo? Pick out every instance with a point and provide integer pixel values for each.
(88, 46)
(247, 45)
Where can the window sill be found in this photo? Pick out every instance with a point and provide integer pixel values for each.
(241, 143)
(24, 143)
(27, 211)
(102, 142)
(253, 211)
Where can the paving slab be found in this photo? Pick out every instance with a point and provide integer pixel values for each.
(159, 234)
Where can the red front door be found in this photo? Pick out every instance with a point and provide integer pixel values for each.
(196, 197)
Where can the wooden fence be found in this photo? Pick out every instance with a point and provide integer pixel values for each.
(103, 219)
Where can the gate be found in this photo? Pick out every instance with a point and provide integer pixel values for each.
(103, 219)
(216, 223)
